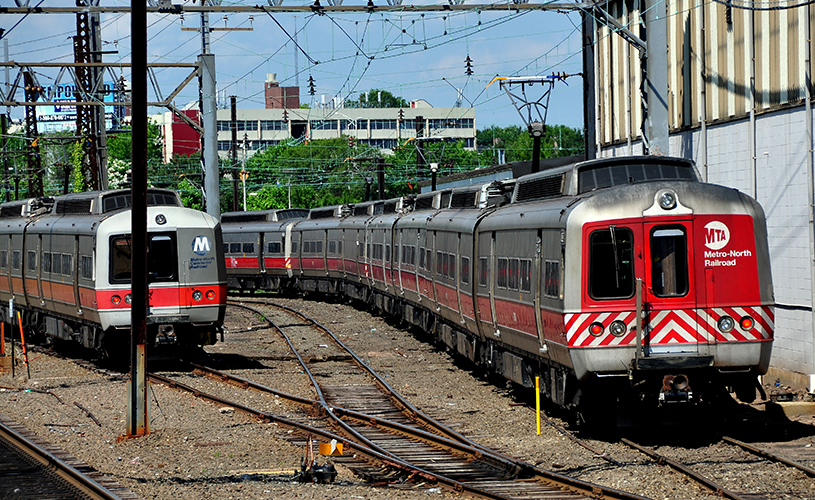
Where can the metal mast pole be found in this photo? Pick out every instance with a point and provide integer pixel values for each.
(209, 122)
(137, 421)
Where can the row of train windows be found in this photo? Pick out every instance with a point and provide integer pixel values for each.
(51, 263)
(516, 274)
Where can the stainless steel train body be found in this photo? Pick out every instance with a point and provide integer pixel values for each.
(66, 263)
(547, 276)
(257, 247)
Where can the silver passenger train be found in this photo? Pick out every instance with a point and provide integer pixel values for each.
(65, 265)
(610, 278)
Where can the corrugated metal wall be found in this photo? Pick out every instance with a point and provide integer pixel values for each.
(713, 50)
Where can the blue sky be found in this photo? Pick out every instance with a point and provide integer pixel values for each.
(407, 54)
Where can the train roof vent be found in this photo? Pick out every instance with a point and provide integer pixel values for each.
(465, 199)
(424, 202)
(243, 217)
(361, 209)
(541, 187)
(74, 206)
(390, 207)
(291, 213)
(121, 199)
(444, 202)
(378, 208)
(321, 213)
(11, 210)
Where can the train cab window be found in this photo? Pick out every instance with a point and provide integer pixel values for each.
(162, 263)
(611, 264)
(551, 279)
(248, 248)
(483, 271)
(669, 262)
(274, 247)
(15, 259)
(45, 264)
(234, 248)
(32, 261)
(86, 267)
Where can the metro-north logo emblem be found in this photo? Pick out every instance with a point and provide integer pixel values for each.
(200, 246)
(717, 235)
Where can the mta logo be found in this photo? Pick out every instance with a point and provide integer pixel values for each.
(200, 246)
(717, 235)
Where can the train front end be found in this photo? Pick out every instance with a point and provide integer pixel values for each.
(186, 276)
(675, 294)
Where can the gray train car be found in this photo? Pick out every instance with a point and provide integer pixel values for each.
(66, 263)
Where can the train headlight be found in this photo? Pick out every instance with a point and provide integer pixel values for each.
(617, 328)
(161, 220)
(116, 299)
(210, 294)
(747, 323)
(197, 295)
(128, 298)
(726, 323)
(667, 200)
(596, 329)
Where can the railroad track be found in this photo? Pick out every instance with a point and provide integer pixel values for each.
(35, 470)
(374, 421)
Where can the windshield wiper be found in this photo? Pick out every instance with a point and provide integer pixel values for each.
(616, 257)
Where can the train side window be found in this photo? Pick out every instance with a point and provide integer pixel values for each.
(234, 248)
(15, 259)
(465, 270)
(45, 265)
(86, 267)
(67, 264)
(421, 258)
(483, 271)
(512, 274)
(4, 258)
(428, 259)
(319, 247)
(526, 275)
(387, 253)
(669, 261)
(56, 263)
(293, 247)
(274, 247)
(332, 247)
(451, 270)
(32, 261)
(339, 247)
(551, 275)
(439, 263)
(360, 250)
(611, 264)
(248, 248)
(226, 247)
(503, 267)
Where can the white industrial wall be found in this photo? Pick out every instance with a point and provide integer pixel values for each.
(779, 183)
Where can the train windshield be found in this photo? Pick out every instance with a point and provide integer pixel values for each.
(611, 263)
(669, 262)
(162, 260)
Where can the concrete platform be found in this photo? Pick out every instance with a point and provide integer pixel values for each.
(795, 408)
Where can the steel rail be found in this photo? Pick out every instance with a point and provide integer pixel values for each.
(401, 403)
(47, 460)
(809, 471)
(660, 459)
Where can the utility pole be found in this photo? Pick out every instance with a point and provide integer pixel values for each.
(233, 125)
(32, 92)
(419, 124)
(4, 148)
(380, 177)
(209, 142)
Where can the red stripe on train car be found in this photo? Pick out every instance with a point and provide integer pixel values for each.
(241, 262)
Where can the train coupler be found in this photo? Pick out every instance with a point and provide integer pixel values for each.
(675, 389)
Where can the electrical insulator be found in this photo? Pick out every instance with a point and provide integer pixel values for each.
(311, 85)
(469, 66)
(285, 115)
(401, 114)
(350, 142)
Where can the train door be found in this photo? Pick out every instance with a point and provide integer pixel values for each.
(261, 252)
(493, 277)
(670, 294)
(167, 289)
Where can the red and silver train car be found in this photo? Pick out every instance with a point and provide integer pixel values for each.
(257, 247)
(66, 263)
(605, 278)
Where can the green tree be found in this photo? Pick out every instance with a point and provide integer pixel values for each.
(558, 141)
(377, 98)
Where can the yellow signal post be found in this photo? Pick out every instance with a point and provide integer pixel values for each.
(538, 403)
